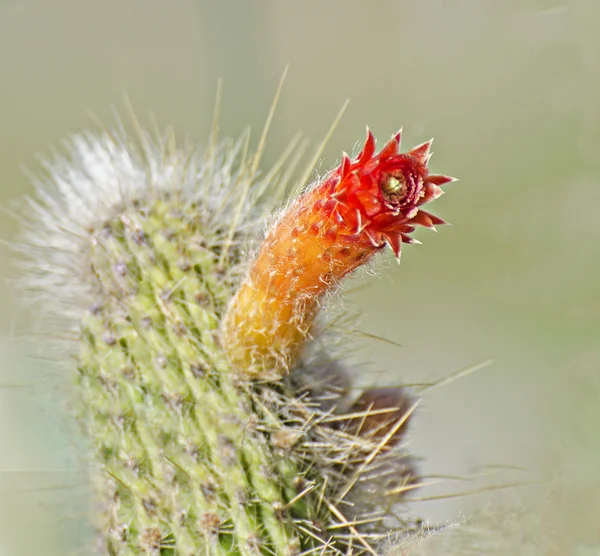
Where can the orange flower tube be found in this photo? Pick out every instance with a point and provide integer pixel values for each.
(338, 224)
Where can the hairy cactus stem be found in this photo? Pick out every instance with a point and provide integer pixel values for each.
(193, 451)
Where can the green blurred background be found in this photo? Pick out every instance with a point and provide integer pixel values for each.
(509, 90)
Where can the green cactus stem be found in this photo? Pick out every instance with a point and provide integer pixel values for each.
(138, 247)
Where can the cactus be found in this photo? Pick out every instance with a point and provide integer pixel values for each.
(215, 423)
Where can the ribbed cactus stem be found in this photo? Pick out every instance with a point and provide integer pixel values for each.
(175, 437)
(141, 249)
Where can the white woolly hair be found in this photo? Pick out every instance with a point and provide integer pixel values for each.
(100, 176)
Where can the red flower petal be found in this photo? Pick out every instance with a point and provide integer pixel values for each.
(421, 152)
(345, 166)
(440, 180)
(368, 150)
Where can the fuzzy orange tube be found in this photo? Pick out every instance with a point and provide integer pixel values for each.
(338, 224)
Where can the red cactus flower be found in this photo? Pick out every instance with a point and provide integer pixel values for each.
(338, 224)
(379, 197)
